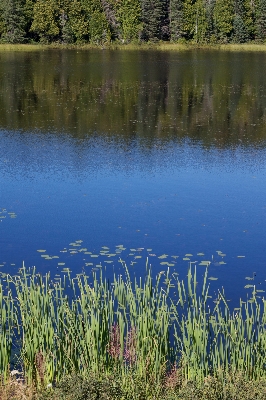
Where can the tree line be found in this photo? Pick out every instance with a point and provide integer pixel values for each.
(101, 21)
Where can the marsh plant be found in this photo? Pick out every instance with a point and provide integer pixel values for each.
(134, 329)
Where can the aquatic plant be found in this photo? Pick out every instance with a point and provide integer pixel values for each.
(87, 324)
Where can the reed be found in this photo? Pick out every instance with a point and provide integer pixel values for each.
(130, 327)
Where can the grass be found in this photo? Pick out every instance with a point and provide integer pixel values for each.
(128, 339)
(163, 46)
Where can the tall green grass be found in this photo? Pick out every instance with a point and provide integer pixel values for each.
(83, 325)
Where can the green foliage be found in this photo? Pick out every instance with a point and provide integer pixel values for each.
(74, 17)
(194, 20)
(123, 330)
(12, 22)
(240, 30)
(152, 15)
(176, 19)
(223, 17)
(129, 17)
(102, 21)
(261, 20)
(46, 19)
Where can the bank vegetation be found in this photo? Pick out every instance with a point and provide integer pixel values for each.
(129, 338)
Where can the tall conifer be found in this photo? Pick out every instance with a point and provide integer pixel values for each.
(152, 14)
(13, 21)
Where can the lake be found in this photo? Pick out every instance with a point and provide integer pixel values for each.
(134, 154)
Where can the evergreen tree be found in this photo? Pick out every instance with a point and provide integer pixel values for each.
(152, 15)
(261, 20)
(13, 22)
(240, 30)
(176, 19)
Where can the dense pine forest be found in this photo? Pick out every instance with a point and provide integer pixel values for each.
(124, 21)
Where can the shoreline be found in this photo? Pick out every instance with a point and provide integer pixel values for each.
(161, 46)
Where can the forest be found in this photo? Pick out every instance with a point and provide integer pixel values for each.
(132, 21)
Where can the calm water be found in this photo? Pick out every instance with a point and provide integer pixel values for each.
(163, 153)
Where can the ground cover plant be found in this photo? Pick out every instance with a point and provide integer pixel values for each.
(131, 338)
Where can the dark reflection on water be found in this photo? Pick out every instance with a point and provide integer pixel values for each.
(215, 98)
(157, 150)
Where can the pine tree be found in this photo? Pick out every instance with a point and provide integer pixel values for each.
(13, 22)
(176, 19)
(240, 31)
(261, 20)
(152, 15)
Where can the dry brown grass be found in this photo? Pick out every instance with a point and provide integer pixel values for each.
(16, 389)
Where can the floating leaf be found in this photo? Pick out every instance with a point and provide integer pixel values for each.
(87, 252)
(174, 256)
(241, 256)
(206, 263)
(186, 258)
(138, 256)
(105, 247)
(94, 255)
(188, 255)
(149, 249)
(163, 256)
(200, 254)
(248, 286)
(87, 264)
(61, 263)
(212, 278)
(41, 251)
(164, 263)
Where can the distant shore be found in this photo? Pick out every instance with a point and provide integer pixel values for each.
(162, 46)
